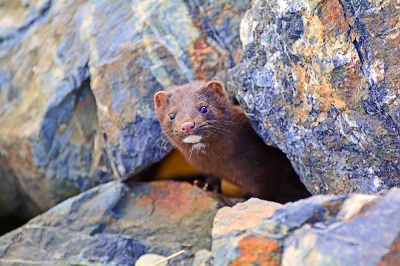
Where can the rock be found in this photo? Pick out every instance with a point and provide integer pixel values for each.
(233, 240)
(320, 81)
(115, 224)
(321, 230)
(77, 80)
(47, 110)
(150, 259)
(203, 258)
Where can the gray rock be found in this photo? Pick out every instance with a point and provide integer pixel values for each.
(203, 258)
(319, 81)
(321, 230)
(362, 240)
(47, 110)
(115, 224)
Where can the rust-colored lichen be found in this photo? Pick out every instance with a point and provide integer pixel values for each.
(331, 15)
(256, 250)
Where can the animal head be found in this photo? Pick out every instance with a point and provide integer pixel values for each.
(192, 113)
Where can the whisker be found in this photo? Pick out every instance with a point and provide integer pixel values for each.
(158, 139)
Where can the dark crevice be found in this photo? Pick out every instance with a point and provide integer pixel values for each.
(174, 167)
(10, 223)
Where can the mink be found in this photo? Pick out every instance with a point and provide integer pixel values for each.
(216, 137)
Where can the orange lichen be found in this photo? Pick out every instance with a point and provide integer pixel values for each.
(256, 250)
(332, 15)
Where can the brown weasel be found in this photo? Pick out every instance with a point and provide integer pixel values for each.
(216, 137)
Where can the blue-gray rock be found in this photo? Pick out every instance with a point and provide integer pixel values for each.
(47, 110)
(320, 81)
(362, 239)
(355, 229)
(115, 224)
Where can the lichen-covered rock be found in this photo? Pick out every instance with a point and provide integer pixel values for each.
(319, 80)
(77, 80)
(115, 224)
(233, 240)
(321, 230)
(47, 110)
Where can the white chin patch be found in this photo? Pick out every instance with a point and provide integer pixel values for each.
(198, 147)
(192, 139)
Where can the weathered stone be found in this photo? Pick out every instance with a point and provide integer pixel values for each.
(47, 111)
(363, 240)
(320, 230)
(116, 223)
(16, 17)
(319, 80)
(203, 258)
(392, 258)
(233, 240)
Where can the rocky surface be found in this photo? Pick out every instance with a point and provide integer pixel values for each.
(319, 80)
(124, 224)
(47, 110)
(321, 230)
(77, 80)
(115, 224)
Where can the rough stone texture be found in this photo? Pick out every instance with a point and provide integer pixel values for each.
(114, 224)
(203, 258)
(77, 80)
(321, 230)
(47, 110)
(233, 240)
(319, 80)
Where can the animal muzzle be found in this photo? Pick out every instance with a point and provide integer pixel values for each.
(187, 127)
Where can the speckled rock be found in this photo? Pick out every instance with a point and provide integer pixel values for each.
(47, 110)
(356, 229)
(115, 224)
(77, 80)
(319, 80)
(234, 243)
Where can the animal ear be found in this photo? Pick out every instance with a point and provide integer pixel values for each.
(216, 86)
(160, 99)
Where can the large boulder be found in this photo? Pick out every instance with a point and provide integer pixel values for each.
(116, 223)
(319, 80)
(121, 223)
(77, 80)
(47, 110)
(354, 230)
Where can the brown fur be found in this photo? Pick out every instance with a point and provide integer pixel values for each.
(232, 151)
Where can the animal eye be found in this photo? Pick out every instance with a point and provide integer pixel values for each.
(203, 110)
(172, 116)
